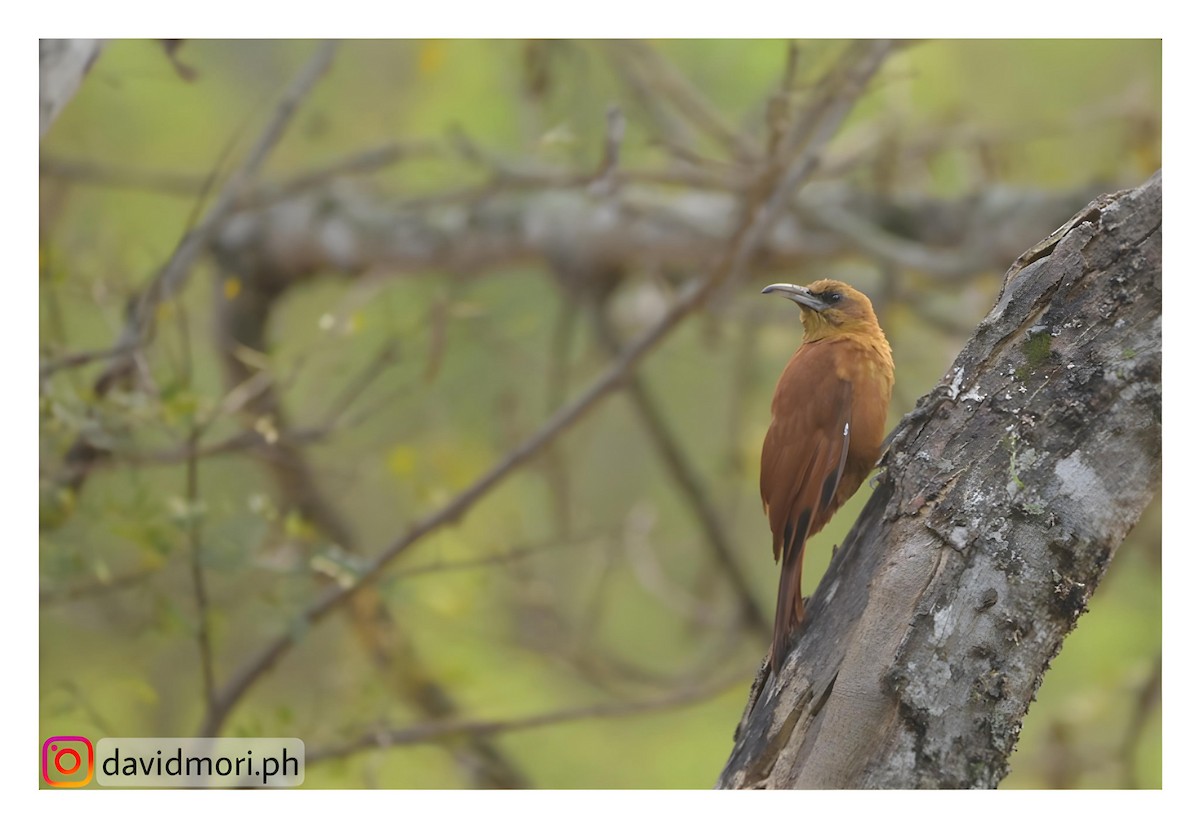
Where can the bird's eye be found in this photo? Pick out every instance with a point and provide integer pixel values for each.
(833, 298)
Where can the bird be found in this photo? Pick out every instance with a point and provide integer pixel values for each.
(826, 432)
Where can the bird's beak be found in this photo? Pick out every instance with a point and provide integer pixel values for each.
(800, 295)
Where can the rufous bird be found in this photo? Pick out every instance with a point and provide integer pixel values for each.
(826, 433)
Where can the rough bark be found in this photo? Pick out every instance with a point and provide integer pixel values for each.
(1006, 493)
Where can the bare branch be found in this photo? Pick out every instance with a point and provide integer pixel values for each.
(358, 163)
(1149, 698)
(76, 171)
(503, 558)
(97, 588)
(614, 133)
(190, 184)
(438, 730)
(875, 241)
(196, 570)
(171, 278)
(51, 366)
(667, 81)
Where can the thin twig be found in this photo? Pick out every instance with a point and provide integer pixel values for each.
(438, 730)
(1149, 698)
(485, 561)
(196, 568)
(614, 134)
(387, 356)
(84, 357)
(876, 241)
(190, 184)
(672, 85)
(139, 320)
(670, 130)
(358, 163)
(241, 395)
(117, 176)
(97, 588)
(172, 277)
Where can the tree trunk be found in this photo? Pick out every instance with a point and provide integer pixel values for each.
(1006, 492)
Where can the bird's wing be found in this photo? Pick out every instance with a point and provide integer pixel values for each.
(804, 455)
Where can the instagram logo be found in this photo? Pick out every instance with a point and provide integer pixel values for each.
(63, 765)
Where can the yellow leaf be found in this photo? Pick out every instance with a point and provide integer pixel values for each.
(430, 56)
(102, 571)
(402, 461)
(296, 526)
(142, 691)
(446, 600)
(560, 135)
(467, 310)
(56, 503)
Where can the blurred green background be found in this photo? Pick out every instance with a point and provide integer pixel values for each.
(583, 582)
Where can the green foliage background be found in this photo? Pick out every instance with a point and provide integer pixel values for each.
(121, 661)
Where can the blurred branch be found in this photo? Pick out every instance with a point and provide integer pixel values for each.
(96, 588)
(629, 226)
(873, 240)
(485, 561)
(614, 133)
(241, 319)
(189, 184)
(196, 570)
(51, 366)
(585, 285)
(171, 47)
(82, 456)
(94, 173)
(254, 438)
(801, 149)
(395, 656)
(566, 416)
(171, 278)
(917, 146)
(387, 356)
(666, 81)
(439, 730)
(1149, 698)
(669, 128)
(359, 163)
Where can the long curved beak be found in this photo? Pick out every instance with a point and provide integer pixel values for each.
(800, 295)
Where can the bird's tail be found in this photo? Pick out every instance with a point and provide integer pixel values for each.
(789, 606)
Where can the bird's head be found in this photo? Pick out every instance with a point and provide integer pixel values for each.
(829, 308)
